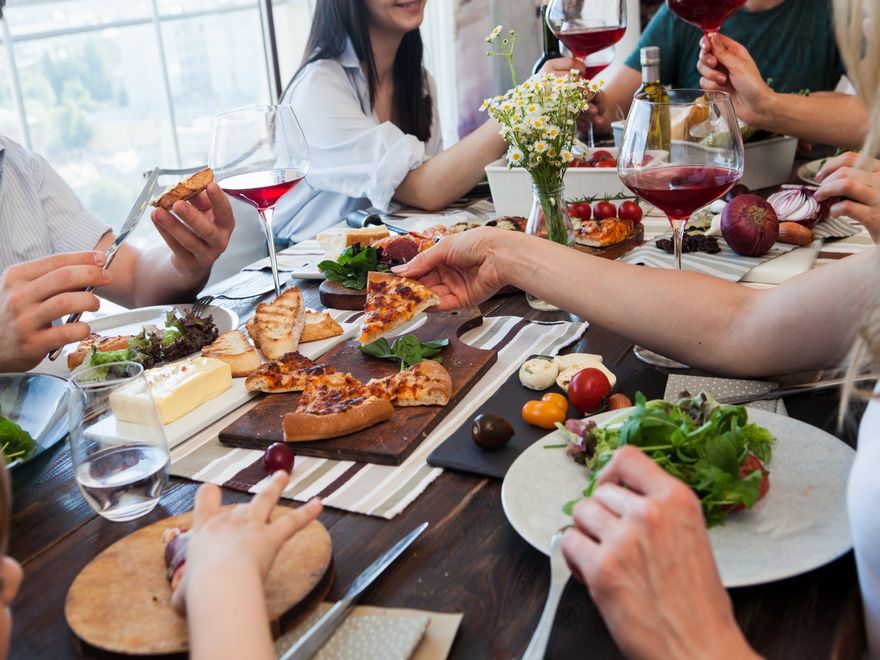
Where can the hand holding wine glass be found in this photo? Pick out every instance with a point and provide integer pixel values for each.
(259, 154)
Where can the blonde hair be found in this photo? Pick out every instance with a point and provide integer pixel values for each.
(857, 23)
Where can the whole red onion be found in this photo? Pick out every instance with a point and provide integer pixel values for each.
(749, 225)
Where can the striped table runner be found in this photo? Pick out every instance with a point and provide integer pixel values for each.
(376, 490)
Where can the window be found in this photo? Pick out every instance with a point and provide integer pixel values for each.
(106, 90)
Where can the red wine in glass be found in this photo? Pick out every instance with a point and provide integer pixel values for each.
(583, 42)
(708, 15)
(261, 189)
(679, 190)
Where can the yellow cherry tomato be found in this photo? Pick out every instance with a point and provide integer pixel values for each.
(558, 399)
(543, 414)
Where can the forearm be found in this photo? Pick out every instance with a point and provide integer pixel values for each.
(810, 117)
(226, 614)
(158, 281)
(442, 179)
(703, 321)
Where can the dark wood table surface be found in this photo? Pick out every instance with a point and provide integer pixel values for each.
(469, 560)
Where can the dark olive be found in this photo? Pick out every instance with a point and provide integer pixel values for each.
(491, 431)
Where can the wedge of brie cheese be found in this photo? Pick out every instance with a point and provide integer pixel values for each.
(177, 389)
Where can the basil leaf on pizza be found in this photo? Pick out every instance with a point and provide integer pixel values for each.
(407, 349)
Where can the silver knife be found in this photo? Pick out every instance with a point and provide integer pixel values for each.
(795, 389)
(372, 217)
(310, 643)
(137, 211)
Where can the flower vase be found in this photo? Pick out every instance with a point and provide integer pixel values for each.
(549, 219)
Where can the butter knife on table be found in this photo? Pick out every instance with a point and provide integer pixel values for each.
(310, 643)
(373, 218)
(137, 211)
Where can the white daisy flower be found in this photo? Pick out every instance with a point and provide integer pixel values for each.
(493, 34)
(541, 146)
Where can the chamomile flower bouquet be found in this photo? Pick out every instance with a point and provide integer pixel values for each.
(537, 119)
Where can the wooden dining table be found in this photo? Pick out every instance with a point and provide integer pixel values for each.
(469, 560)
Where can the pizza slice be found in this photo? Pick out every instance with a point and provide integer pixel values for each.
(424, 384)
(602, 233)
(392, 302)
(176, 540)
(289, 373)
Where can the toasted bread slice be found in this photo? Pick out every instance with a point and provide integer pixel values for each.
(319, 325)
(233, 348)
(102, 344)
(392, 302)
(278, 326)
(190, 186)
(335, 241)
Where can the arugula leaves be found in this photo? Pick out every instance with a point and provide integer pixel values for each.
(353, 266)
(408, 349)
(15, 442)
(697, 440)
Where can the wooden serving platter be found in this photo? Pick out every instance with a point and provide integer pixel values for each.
(121, 601)
(336, 296)
(616, 251)
(388, 443)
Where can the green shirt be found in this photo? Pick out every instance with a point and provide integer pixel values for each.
(793, 45)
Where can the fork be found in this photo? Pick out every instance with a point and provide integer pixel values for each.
(202, 304)
(559, 574)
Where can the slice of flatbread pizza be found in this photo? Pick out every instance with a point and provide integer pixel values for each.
(393, 302)
(289, 373)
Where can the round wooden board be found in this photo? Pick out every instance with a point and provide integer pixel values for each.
(336, 296)
(121, 601)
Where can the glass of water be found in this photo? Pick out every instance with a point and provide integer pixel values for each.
(117, 443)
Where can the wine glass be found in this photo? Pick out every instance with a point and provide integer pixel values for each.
(589, 29)
(117, 443)
(702, 161)
(708, 15)
(258, 154)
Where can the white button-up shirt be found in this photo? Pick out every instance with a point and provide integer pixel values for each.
(356, 160)
(39, 214)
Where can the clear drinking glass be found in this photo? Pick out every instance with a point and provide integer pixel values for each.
(117, 443)
(258, 154)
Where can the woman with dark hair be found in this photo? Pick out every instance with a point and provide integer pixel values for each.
(368, 110)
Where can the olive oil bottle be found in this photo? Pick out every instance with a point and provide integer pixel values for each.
(651, 89)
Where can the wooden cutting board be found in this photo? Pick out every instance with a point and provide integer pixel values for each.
(336, 296)
(388, 443)
(121, 601)
(616, 251)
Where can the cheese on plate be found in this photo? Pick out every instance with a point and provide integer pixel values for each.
(177, 389)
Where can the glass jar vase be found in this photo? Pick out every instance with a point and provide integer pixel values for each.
(549, 219)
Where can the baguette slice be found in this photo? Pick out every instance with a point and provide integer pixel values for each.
(278, 326)
(359, 415)
(190, 186)
(233, 348)
(102, 344)
(319, 325)
(392, 302)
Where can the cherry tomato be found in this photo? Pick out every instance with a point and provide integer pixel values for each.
(581, 210)
(558, 399)
(618, 401)
(543, 414)
(629, 210)
(601, 154)
(579, 161)
(608, 162)
(604, 209)
(588, 389)
(751, 464)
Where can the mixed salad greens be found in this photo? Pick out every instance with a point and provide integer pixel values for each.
(711, 447)
(353, 265)
(408, 349)
(181, 336)
(15, 442)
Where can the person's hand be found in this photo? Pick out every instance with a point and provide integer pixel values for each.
(860, 187)
(563, 65)
(35, 293)
(595, 115)
(742, 80)
(641, 547)
(240, 540)
(200, 232)
(462, 269)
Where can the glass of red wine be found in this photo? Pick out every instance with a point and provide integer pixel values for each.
(588, 28)
(258, 154)
(708, 15)
(702, 161)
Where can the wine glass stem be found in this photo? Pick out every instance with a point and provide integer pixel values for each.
(677, 239)
(591, 140)
(266, 216)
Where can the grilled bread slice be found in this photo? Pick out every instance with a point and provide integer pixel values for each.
(278, 326)
(234, 349)
(190, 186)
(319, 325)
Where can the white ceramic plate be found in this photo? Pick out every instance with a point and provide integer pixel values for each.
(808, 171)
(801, 524)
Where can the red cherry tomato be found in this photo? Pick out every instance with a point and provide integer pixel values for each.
(631, 211)
(601, 154)
(608, 162)
(604, 209)
(579, 161)
(588, 390)
(751, 464)
(581, 210)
